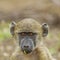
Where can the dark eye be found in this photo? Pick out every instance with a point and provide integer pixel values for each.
(23, 34)
(30, 34)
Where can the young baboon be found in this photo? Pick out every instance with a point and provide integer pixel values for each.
(27, 42)
(29, 36)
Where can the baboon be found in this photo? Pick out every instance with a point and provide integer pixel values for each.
(29, 35)
(26, 42)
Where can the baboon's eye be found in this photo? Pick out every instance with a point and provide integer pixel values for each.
(27, 33)
(30, 34)
(23, 34)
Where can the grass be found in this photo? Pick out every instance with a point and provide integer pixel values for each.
(4, 31)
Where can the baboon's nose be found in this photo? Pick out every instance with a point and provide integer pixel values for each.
(26, 47)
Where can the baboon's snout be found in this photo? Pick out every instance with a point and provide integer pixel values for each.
(27, 51)
(27, 46)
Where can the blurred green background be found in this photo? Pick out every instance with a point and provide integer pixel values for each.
(42, 10)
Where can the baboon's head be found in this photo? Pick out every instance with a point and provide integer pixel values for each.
(28, 33)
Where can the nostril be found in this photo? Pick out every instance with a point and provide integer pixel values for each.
(26, 46)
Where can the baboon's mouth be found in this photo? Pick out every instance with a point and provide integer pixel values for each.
(27, 51)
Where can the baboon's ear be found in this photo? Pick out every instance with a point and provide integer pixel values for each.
(12, 27)
(45, 29)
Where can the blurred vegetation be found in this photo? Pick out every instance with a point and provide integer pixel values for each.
(4, 31)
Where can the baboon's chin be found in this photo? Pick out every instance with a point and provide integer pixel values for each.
(26, 51)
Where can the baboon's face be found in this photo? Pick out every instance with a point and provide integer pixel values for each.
(27, 41)
(28, 32)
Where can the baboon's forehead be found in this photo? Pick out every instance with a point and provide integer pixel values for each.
(28, 25)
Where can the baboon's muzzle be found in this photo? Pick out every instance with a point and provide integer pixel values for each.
(27, 51)
(27, 46)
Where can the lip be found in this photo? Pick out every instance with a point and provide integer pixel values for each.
(26, 51)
